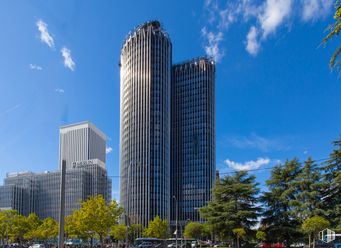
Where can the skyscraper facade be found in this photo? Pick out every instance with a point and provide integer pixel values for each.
(167, 136)
(146, 60)
(192, 137)
(81, 141)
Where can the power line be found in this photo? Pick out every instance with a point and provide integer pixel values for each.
(250, 170)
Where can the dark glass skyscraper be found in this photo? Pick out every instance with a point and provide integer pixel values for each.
(146, 60)
(192, 137)
(167, 136)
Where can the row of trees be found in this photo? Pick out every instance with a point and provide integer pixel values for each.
(302, 198)
(95, 219)
(16, 228)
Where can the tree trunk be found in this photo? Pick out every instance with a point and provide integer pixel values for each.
(237, 241)
(309, 244)
(314, 242)
(101, 240)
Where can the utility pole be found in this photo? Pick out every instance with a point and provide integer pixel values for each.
(62, 205)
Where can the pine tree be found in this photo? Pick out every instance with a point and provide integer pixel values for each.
(234, 205)
(278, 222)
(332, 177)
(308, 187)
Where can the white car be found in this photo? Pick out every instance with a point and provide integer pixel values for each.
(37, 246)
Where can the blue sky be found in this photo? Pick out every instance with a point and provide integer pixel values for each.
(276, 97)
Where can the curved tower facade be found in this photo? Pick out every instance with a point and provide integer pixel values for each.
(145, 71)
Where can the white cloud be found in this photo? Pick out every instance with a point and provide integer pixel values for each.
(264, 19)
(212, 48)
(273, 14)
(59, 90)
(252, 43)
(35, 67)
(12, 108)
(68, 61)
(255, 141)
(315, 9)
(227, 17)
(249, 165)
(44, 33)
(108, 150)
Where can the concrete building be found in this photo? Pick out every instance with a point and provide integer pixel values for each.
(145, 71)
(41, 194)
(27, 183)
(81, 141)
(29, 192)
(12, 198)
(193, 167)
(87, 178)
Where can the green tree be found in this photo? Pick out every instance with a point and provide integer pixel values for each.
(119, 232)
(74, 228)
(95, 217)
(278, 221)
(308, 186)
(193, 230)
(48, 229)
(134, 231)
(234, 204)
(313, 225)
(12, 226)
(207, 230)
(33, 223)
(157, 228)
(332, 194)
(3, 226)
(260, 235)
(334, 30)
(19, 227)
(240, 234)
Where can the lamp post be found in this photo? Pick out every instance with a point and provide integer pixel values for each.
(62, 204)
(176, 221)
(127, 229)
(128, 189)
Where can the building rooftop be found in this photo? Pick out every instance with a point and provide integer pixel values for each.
(155, 24)
(195, 61)
(80, 125)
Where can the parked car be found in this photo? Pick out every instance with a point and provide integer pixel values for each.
(37, 246)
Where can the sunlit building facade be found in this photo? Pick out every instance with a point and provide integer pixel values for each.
(145, 71)
(81, 141)
(167, 136)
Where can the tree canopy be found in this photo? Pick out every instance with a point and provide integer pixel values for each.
(334, 30)
(194, 230)
(234, 204)
(157, 228)
(313, 225)
(94, 218)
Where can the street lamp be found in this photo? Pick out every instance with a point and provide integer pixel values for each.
(127, 221)
(182, 231)
(176, 221)
(126, 214)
